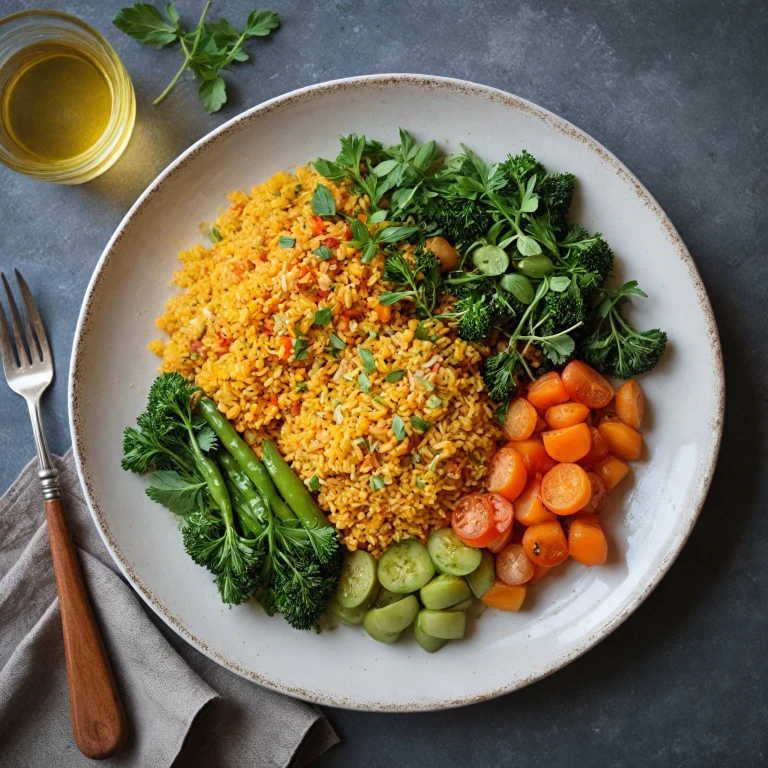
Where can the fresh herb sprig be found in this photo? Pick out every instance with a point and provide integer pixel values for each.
(208, 49)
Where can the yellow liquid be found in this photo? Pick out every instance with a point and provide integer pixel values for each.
(58, 104)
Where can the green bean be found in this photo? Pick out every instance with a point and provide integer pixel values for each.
(252, 526)
(215, 481)
(245, 457)
(251, 497)
(294, 491)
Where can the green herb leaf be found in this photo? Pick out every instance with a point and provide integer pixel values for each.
(428, 385)
(377, 218)
(302, 386)
(261, 23)
(323, 253)
(395, 234)
(215, 235)
(434, 402)
(286, 242)
(377, 483)
(559, 283)
(519, 286)
(392, 297)
(419, 424)
(323, 316)
(314, 483)
(145, 23)
(421, 332)
(206, 439)
(369, 251)
(169, 488)
(336, 342)
(359, 231)
(398, 427)
(369, 364)
(528, 246)
(394, 376)
(338, 414)
(364, 382)
(420, 482)
(323, 203)
(212, 94)
(300, 348)
(432, 464)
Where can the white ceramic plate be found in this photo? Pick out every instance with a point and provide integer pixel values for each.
(565, 615)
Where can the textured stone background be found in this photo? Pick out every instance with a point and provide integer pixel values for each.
(678, 89)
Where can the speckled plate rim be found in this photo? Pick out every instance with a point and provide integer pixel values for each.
(429, 82)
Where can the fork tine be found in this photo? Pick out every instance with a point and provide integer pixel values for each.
(21, 349)
(34, 316)
(9, 358)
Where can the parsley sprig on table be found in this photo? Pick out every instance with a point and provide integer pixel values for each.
(208, 49)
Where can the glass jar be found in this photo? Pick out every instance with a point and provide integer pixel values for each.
(24, 38)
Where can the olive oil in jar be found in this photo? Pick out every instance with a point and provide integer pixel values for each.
(58, 102)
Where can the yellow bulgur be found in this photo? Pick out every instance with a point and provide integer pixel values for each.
(244, 303)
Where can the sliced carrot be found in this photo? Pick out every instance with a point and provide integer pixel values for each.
(316, 226)
(566, 415)
(599, 449)
(586, 541)
(623, 441)
(585, 385)
(535, 455)
(611, 471)
(569, 444)
(566, 489)
(521, 419)
(383, 312)
(547, 391)
(507, 474)
(545, 544)
(597, 499)
(286, 347)
(529, 508)
(504, 597)
(630, 404)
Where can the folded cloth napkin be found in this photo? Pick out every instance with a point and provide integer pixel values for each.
(181, 706)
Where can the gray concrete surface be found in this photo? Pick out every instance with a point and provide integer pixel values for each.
(678, 90)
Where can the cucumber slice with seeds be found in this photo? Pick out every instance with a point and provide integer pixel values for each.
(427, 642)
(405, 567)
(358, 584)
(446, 625)
(376, 632)
(444, 591)
(398, 616)
(450, 554)
(483, 577)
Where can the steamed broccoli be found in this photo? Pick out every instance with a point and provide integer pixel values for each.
(615, 348)
(462, 221)
(564, 309)
(556, 190)
(474, 313)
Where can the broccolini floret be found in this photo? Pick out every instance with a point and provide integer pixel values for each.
(462, 221)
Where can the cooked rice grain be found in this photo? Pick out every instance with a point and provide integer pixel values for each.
(246, 298)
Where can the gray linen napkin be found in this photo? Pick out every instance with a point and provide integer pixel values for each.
(181, 706)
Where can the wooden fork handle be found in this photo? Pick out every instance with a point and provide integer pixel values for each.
(98, 719)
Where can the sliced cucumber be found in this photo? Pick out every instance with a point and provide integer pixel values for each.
(464, 605)
(405, 567)
(385, 597)
(450, 554)
(483, 577)
(398, 616)
(376, 632)
(427, 642)
(358, 584)
(444, 591)
(446, 625)
(350, 616)
(491, 260)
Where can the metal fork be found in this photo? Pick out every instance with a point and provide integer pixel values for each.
(98, 720)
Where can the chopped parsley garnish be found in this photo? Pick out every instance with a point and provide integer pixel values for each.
(300, 348)
(336, 342)
(323, 253)
(215, 235)
(377, 483)
(286, 242)
(420, 482)
(398, 427)
(364, 383)
(302, 386)
(428, 385)
(323, 316)
(369, 364)
(314, 483)
(419, 424)
(323, 203)
(394, 376)
(434, 402)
